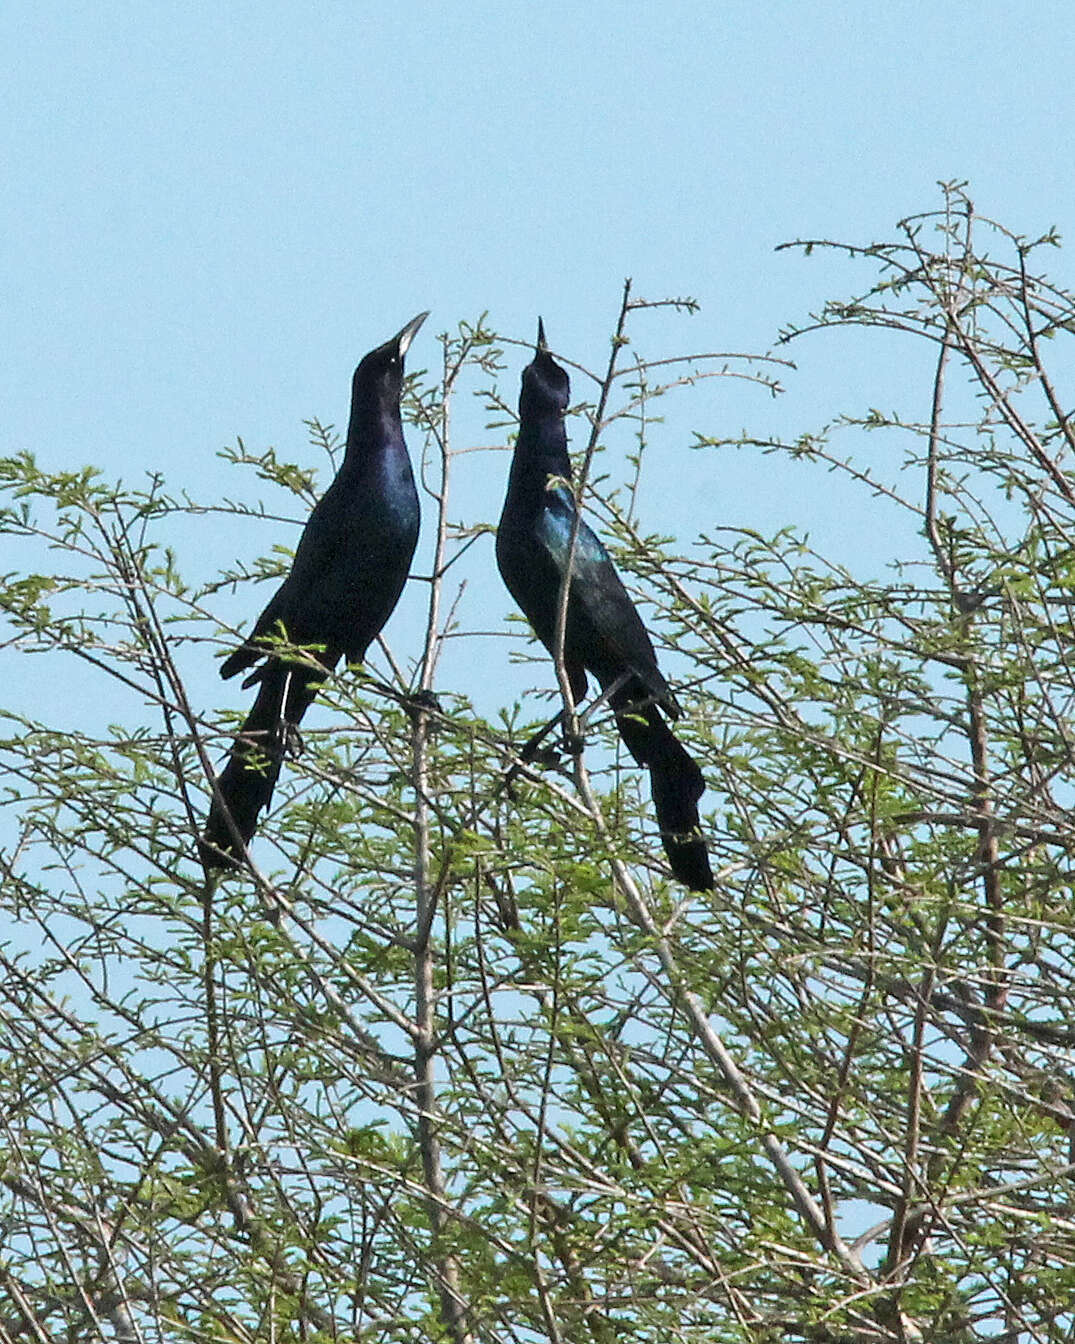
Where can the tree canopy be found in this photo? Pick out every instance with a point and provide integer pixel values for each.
(453, 1058)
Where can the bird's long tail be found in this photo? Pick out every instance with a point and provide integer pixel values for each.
(676, 784)
(246, 783)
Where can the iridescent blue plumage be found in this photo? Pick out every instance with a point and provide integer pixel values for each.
(348, 573)
(604, 634)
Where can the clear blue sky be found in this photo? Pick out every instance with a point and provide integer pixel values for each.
(210, 211)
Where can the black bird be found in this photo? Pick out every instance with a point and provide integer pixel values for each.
(349, 569)
(604, 634)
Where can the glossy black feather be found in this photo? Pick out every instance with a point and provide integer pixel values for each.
(604, 634)
(348, 572)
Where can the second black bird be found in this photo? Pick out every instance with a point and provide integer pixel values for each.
(604, 634)
(349, 569)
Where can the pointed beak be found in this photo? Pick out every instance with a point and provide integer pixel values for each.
(403, 340)
(542, 343)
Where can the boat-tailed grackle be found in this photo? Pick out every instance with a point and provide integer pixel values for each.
(604, 634)
(348, 572)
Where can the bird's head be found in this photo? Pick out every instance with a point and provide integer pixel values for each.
(546, 387)
(378, 379)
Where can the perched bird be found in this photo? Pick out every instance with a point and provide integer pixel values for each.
(604, 634)
(349, 569)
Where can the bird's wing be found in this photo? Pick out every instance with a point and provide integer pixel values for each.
(287, 605)
(605, 619)
(250, 650)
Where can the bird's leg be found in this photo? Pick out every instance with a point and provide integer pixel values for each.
(572, 743)
(413, 702)
(530, 748)
(531, 751)
(603, 699)
(287, 733)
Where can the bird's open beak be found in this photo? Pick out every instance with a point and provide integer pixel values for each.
(403, 340)
(542, 343)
